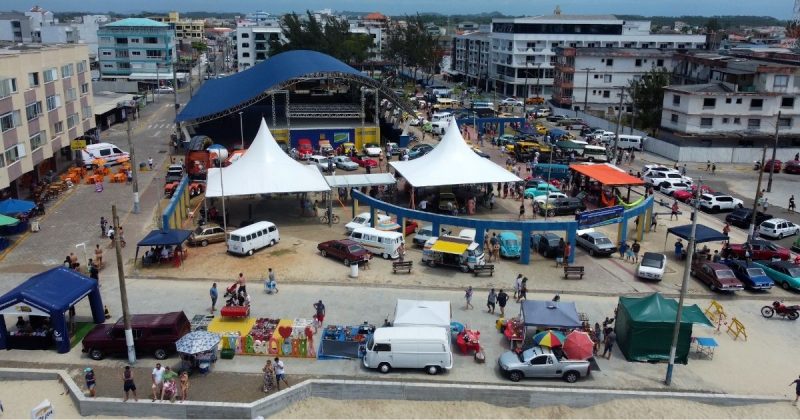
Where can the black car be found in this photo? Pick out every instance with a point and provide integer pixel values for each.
(546, 244)
(742, 217)
(562, 206)
(555, 118)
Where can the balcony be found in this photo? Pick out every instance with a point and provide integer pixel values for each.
(563, 84)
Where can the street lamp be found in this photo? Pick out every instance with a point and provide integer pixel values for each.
(241, 129)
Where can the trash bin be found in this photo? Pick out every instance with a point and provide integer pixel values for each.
(354, 270)
(34, 225)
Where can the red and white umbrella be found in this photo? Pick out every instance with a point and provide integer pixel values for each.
(578, 346)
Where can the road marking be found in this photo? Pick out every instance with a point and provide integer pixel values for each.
(156, 134)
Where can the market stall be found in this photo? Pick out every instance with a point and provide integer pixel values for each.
(169, 240)
(344, 342)
(279, 337)
(547, 314)
(198, 350)
(19, 209)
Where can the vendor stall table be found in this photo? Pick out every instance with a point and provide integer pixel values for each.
(469, 341)
(705, 346)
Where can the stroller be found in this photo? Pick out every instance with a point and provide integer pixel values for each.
(232, 296)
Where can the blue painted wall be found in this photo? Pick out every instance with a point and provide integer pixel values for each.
(335, 136)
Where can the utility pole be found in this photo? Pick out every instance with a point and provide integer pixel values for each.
(175, 93)
(686, 269)
(774, 151)
(133, 170)
(619, 120)
(751, 233)
(123, 291)
(633, 105)
(586, 91)
(241, 128)
(525, 99)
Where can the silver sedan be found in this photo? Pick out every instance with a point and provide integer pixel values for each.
(344, 162)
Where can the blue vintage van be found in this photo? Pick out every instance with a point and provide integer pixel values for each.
(509, 245)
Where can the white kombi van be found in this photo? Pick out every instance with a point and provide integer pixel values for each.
(628, 142)
(363, 220)
(106, 151)
(409, 348)
(246, 240)
(379, 242)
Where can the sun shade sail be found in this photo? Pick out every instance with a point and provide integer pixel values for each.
(606, 174)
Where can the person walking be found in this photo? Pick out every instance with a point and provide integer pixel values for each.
(269, 377)
(611, 338)
(280, 373)
(623, 247)
(103, 226)
(764, 204)
(567, 252)
(791, 204)
(491, 301)
(91, 382)
(517, 285)
(713, 168)
(674, 209)
(629, 254)
(523, 290)
(272, 285)
(635, 248)
(158, 380)
(708, 165)
(653, 222)
(183, 380)
(468, 298)
(560, 253)
(214, 295)
(521, 211)
(93, 271)
(796, 384)
(128, 385)
(98, 255)
(502, 299)
(319, 312)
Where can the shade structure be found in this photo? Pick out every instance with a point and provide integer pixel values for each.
(165, 237)
(702, 234)
(422, 312)
(197, 342)
(578, 346)
(264, 169)
(549, 338)
(549, 314)
(452, 162)
(606, 174)
(7, 220)
(15, 206)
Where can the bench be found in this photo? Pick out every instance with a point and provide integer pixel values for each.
(235, 311)
(402, 265)
(573, 270)
(482, 269)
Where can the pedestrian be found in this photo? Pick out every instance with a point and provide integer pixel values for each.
(611, 338)
(635, 248)
(679, 249)
(91, 383)
(683, 170)
(242, 283)
(128, 385)
(716, 258)
(796, 383)
(567, 252)
(184, 383)
(280, 372)
(502, 299)
(708, 165)
(674, 209)
(713, 168)
(791, 204)
(158, 380)
(496, 250)
(491, 301)
(214, 295)
(269, 377)
(764, 204)
(121, 237)
(623, 246)
(103, 226)
(505, 190)
(468, 298)
(654, 222)
(150, 163)
(560, 252)
(523, 290)
(93, 271)
(629, 253)
(319, 312)
(517, 285)
(98, 255)
(272, 285)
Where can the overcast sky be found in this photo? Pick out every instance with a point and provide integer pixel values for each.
(781, 9)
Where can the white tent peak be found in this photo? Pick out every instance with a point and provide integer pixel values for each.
(264, 169)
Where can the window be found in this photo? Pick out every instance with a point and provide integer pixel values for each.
(753, 122)
(150, 40)
(72, 94)
(84, 88)
(676, 100)
(738, 100)
(7, 86)
(737, 120)
(53, 102)
(153, 53)
(50, 75)
(81, 66)
(706, 122)
(33, 79)
(725, 120)
(136, 53)
(596, 76)
(37, 140)
(135, 40)
(245, 54)
(58, 127)
(638, 62)
(15, 153)
(73, 120)
(609, 62)
(106, 53)
(607, 78)
(245, 45)
(245, 35)
(86, 110)
(67, 70)
(674, 118)
(787, 102)
(728, 100)
(756, 103)
(606, 93)
(123, 41)
(382, 347)
(660, 62)
(9, 121)
(780, 81)
(33, 111)
(785, 122)
(709, 102)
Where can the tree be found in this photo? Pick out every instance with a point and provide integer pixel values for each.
(648, 96)
(331, 36)
(413, 46)
(712, 25)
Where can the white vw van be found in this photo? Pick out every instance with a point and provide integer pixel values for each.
(363, 220)
(379, 242)
(410, 348)
(106, 151)
(251, 238)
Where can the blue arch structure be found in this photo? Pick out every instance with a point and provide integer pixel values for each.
(481, 122)
(482, 225)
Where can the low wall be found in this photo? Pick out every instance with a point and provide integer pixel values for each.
(345, 390)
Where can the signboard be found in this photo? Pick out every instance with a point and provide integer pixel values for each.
(599, 217)
(42, 411)
(77, 144)
(341, 138)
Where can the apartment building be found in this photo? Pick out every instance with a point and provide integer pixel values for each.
(733, 96)
(39, 26)
(470, 58)
(186, 30)
(524, 49)
(45, 103)
(136, 49)
(15, 27)
(252, 37)
(590, 78)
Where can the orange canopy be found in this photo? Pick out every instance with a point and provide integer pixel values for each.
(606, 174)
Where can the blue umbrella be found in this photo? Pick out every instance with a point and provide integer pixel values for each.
(14, 206)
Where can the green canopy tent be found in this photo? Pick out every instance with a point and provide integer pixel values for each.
(644, 328)
(7, 220)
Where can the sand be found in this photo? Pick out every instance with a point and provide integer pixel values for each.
(629, 408)
(19, 397)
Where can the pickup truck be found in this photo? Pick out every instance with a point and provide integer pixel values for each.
(538, 362)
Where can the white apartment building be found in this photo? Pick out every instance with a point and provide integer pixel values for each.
(45, 103)
(470, 58)
(15, 27)
(590, 78)
(251, 40)
(137, 49)
(39, 26)
(524, 48)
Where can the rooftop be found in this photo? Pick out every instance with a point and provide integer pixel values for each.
(9, 48)
(140, 22)
(623, 52)
(702, 88)
(561, 18)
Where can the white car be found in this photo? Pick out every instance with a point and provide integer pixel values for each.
(540, 200)
(423, 234)
(777, 228)
(669, 187)
(511, 102)
(655, 178)
(363, 220)
(165, 89)
(651, 266)
(718, 202)
(320, 162)
(344, 162)
(604, 136)
(372, 149)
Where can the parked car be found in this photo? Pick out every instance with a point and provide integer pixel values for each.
(155, 334)
(743, 216)
(344, 250)
(796, 245)
(549, 197)
(652, 266)
(509, 245)
(304, 149)
(596, 243)
(511, 102)
(784, 273)
(715, 275)
(419, 150)
(540, 112)
(207, 234)
(165, 89)
(718, 202)
(372, 149)
(174, 173)
(792, 167)
(777, 228)
(545, 244)
(321, 162)
(555, 118)
(669, 187)
(447, 200)
(504, 140)
(655, 178)
(424, 233)
(686, 196)
(540, 362)
(751, 276)
(364, 162)
(364, 220)
(562, 206)
(772, 165)
(344, 162)
(540, 189)
(760, 250)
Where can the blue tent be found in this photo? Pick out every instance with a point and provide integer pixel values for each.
(165, 237)
(549, 314)
(702, 234)
(13, 206)
(50, 294)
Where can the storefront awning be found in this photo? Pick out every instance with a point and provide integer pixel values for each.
(151, 76)
(451, 246)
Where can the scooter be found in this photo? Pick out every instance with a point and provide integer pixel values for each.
(791, 312)
(757, 165)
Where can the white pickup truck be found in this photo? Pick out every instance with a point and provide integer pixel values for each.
(538, 362)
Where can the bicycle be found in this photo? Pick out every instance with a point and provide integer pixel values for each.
(324, 219)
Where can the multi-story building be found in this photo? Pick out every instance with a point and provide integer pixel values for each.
(470, 58)
(252, 37)
(588, 78)
(45, 103)
(524, 48)
(15, 27)
(187, 31)
(732, 96)
(39, 26)
(136, 49)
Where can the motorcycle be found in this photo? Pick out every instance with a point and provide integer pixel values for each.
(791, 312)
(757, 165)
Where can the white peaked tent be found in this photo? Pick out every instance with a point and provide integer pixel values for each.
(264, 169)
(452, 162)
(433, 313)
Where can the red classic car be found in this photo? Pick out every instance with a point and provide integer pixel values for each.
(770, 163)
(716, 276)
(760, 250)
(686, 195)
(304, 149)
(792, 167)
(364, 161)
(344, 249)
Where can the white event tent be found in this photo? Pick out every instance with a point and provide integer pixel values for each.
(264, 169)
(452, 162)
(434, 313)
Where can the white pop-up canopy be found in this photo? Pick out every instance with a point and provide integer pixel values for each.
(264, 169)
(434, 313)
(452, 162)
